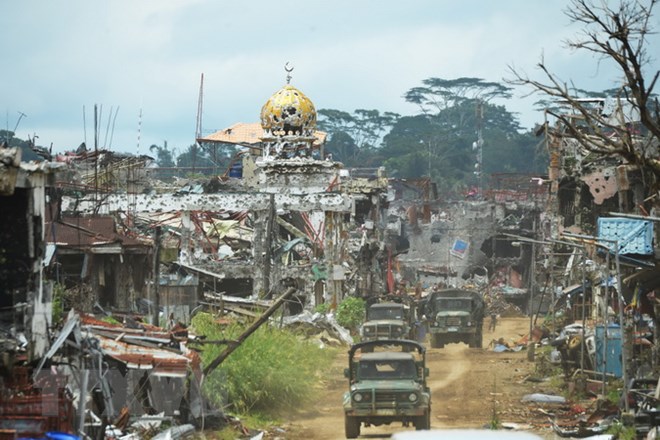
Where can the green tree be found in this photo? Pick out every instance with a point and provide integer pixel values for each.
(358, 134)
(342, 146)
(437, 94)
(442, 145)
(196, 160)
(164, 156)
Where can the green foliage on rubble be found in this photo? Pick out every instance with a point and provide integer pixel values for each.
(622, 432)
(543, 367)
(322, 308)
(614, 391)
(273, 371)
(351, 312)
(58, 303)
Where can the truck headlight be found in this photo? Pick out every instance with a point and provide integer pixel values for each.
(368, 330)
(357, 397)
(412, 397)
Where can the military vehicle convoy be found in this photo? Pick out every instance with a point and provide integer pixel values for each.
(455, 315)
(387, 383)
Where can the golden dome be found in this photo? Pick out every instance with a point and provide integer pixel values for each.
(289, 111)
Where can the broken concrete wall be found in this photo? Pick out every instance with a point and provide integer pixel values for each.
(296, 176)
(10, 160)
(435, 244)
(25, 296)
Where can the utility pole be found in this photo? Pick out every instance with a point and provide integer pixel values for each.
(532, 286)
(156, 278)
(478, 145)
(200, 105)
(268, 254)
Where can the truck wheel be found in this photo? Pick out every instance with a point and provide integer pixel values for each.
(423, 422)
(352, 427)
(436, 341)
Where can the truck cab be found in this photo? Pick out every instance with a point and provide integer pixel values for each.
(453, 316)
(387, 383)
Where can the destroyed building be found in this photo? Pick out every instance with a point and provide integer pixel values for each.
(602, 225)
(26, 307)
(26, 294)
(90, 252)
(459, 243)
(282, 214)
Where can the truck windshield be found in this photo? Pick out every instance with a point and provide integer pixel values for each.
(376, 313)
(452, 304)
(398, 369)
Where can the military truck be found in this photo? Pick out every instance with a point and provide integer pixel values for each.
(389, 317)
(455, 315)
(387, 380)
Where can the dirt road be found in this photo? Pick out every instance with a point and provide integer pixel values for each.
(470, 389)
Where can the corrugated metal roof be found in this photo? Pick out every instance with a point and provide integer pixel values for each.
(632, 236)
(87, 232)
(162, 362)
(136, 348)
(244, 133)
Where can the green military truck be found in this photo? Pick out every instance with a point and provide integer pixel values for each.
(389, 317)
(455, 315)
(387, 380)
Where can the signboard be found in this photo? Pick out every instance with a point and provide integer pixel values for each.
(459, 248)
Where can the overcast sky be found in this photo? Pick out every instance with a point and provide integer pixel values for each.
(148, 56)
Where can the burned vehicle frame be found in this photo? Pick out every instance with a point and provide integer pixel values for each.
(388, 383)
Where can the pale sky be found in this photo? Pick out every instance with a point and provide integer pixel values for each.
(141, 55)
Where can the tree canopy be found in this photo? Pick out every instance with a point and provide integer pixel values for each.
(354, 137)
(439, 140)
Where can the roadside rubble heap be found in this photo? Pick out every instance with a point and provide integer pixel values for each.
(113, 379)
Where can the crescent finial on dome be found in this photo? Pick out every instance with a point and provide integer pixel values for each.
(288, 69)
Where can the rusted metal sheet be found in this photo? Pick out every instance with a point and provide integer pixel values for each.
(146, 348)
(162, 362)
(88, 232)
(31, 408)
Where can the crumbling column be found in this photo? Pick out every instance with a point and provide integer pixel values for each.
(259, 252)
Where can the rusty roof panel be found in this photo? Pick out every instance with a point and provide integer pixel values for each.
(136, 348)
(243, 133)
(162, 362)
(87, 232)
